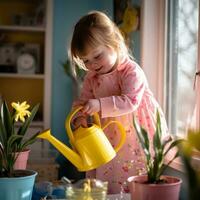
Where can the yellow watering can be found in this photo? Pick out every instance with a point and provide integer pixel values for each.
(90, 146)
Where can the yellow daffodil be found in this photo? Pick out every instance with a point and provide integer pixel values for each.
(21, 110)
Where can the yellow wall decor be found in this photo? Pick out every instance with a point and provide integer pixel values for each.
(126, 17)
(130, 20)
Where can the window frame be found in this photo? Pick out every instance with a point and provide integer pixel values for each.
(197, 80)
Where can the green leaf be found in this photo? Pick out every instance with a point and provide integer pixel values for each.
(11, 147)
(22, 130)
(29, 141)
(73, 70)
(158, 149)
(192, 176)
(158, 163)
(166, 165)
(166, 141)
(173, 144)
(158, 134)
(2, 150)
(146, 143)
(7, 120)
(139, 133)
(146, 139)
(143, 138)
(194, 138)
(3, 136)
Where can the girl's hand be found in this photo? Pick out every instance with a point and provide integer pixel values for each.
(80, 121)
(79, 102)
(91, 107)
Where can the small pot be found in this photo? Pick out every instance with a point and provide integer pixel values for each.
(22, 158)
(141, 190)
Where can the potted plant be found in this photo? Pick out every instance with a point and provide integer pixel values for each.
(15, 184)
(75, 73)
(187, 149)
(154, 185)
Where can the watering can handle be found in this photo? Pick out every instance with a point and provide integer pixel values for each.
(122, 132)
(69, 118)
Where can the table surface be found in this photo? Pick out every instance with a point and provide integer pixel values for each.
(119, 197)
(113, 197)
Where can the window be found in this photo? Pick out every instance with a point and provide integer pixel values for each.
(170, 57)
(181, 67)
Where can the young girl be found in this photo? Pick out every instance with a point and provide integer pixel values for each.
(115, 87)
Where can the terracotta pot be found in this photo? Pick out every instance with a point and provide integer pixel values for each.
(141, 190)
(22, 158)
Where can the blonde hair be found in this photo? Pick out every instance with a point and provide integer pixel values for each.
(95, 29)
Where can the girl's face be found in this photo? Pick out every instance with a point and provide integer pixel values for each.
(101, 60)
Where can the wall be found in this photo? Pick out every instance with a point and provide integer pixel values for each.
(135, 36)
(66, 13)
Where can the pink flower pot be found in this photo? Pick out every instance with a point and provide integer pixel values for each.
(140, 190)
(21, 161)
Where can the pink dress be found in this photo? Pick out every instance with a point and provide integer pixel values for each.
(123, 93)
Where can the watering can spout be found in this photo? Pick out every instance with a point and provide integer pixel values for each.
(71, 155)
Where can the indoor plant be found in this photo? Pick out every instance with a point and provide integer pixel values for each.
(188, 149)
(152, 185)
(12, 143)
(75, 73)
